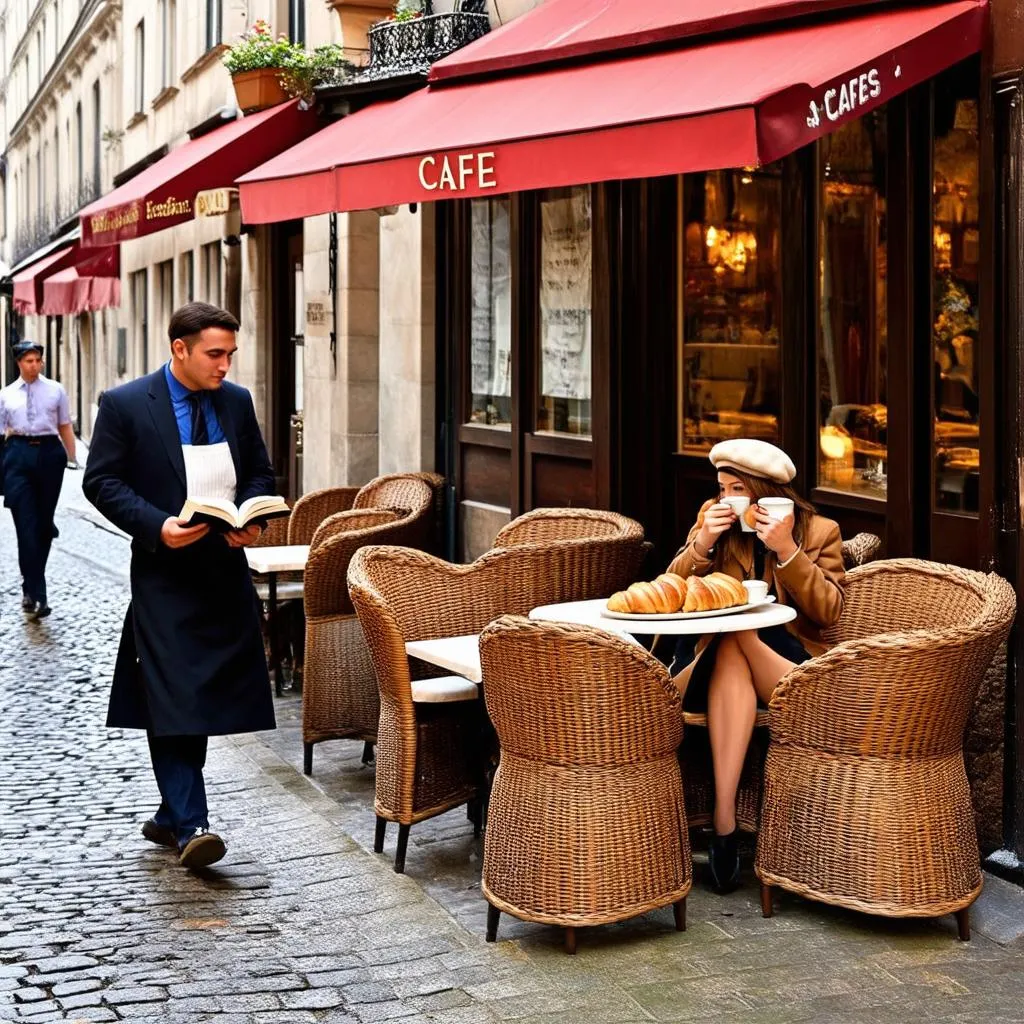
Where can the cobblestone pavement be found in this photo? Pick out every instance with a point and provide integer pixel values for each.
(302, 923)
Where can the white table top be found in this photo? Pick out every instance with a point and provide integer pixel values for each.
(279, 558)
(458, 654)
(588, 613)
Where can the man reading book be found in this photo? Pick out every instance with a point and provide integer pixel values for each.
(191, 662)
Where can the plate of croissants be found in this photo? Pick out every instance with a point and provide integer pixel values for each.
(673, 597)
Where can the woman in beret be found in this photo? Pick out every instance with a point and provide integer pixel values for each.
(800, 558)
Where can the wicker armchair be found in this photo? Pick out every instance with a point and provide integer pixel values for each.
(866, 801)
(422, 494)
(340, 698)
(547, 524)
(313, 508)
(586, 824)
(427, 756)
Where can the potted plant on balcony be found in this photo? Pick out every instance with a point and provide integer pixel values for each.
(257, 63)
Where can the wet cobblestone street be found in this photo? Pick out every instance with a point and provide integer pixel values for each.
(301, 923)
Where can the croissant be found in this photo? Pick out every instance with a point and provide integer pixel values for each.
(712, 593)
(647, 598)
(674, 588)
(698, 597)
(737, 592)
(700, 515)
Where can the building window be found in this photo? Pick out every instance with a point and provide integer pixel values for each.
(730, 283)
(140, 316)
(210, 270)
(140, 66)
(214, 16)
(186, 278)
(96, 131)
(163, 298)
(491, 315)
(955, 256)
(168, 26)
(564, 342)
(297, 21)
(852, 309)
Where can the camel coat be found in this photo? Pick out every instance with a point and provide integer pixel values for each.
(811, 581)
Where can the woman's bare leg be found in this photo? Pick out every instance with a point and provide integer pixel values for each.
(732, 707)
(765, 666)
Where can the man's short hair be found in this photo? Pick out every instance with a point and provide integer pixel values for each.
(194, 317)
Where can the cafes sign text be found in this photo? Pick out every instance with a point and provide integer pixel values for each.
(458, 172)
(847, 97)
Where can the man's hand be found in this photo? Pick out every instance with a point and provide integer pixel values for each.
(243, 538)
(176, 535)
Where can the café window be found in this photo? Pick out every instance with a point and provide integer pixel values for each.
(491, 313)
(852, 335)
(955, 250)
(731, 295)
(564, 359)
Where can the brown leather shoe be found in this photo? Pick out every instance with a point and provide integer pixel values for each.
(201, 850)
(159, 834)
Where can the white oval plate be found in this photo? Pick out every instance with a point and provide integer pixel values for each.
(770, 599)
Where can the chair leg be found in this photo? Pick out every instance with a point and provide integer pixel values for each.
(378, 836)
(493, 915)
(679, 910)
(963, 924)
(766, 900)
(307, 758)
(403, 843)
(367, 752)
(570, 941)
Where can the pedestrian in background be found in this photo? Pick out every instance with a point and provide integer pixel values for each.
(191, 662)
(40, 442)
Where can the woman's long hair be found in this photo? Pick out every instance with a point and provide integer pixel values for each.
(734, 542)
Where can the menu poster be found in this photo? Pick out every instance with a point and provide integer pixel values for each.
(491, 329)
(565, 304)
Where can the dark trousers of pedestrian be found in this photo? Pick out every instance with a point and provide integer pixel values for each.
(33, 475)
(178, 763)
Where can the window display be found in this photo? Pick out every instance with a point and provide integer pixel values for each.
(730, 288)
(852, 320)
(955, 254)
(491, 314)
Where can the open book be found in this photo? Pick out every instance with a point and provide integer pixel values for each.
(263, 506)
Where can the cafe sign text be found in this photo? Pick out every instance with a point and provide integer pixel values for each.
(458, 172)
(847, 97)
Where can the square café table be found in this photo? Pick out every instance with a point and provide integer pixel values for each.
(270, 561)
(461, 654)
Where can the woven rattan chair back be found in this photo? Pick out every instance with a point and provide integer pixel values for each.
(275, 533)
(340, 696)
(313, 508)
(586, 822)
(544, 525)
(867, 803)
(408, 492)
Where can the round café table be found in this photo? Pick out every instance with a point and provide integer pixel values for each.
(589, 613)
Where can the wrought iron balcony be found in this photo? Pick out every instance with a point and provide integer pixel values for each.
(410, 46)
(34, 231)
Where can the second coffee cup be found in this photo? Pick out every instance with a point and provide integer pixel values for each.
(739, 504)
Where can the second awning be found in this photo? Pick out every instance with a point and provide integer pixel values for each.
(163, 194)
(92, 283)
(729, 102)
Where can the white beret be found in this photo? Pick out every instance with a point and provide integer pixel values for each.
(758, 458)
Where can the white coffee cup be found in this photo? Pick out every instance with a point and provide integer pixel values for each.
(757, 590)
(777, 508)
(739, 504)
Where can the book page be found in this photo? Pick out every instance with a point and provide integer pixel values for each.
(220, 508)
(252, 508)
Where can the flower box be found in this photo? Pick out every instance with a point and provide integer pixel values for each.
(258, 89)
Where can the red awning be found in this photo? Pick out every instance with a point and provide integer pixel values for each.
(93, 283)
(730, 102)
(28, 284)
(163, 194)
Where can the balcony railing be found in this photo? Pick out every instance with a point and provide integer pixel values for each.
(32, 232)
(399, 48)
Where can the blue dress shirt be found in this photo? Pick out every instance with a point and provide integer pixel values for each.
(183, 411)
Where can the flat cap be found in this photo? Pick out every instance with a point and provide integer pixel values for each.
(757, 458)
(22, 348)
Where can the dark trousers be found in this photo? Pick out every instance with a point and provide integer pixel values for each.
(33, 475)
(178, 763)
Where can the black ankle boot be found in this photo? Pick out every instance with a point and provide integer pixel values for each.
(724, 862)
